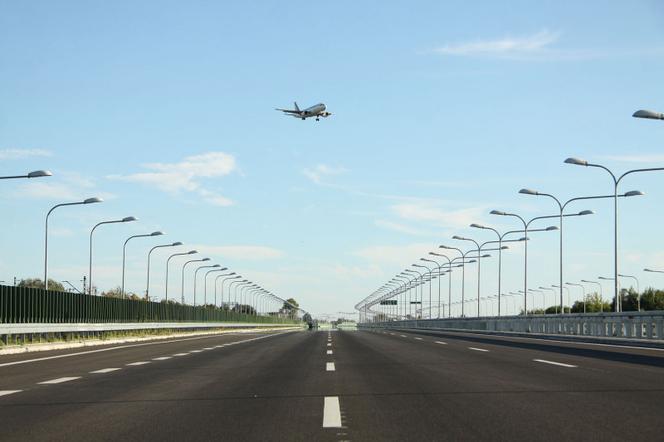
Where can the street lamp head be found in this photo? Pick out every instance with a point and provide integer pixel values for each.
(192, 252)
(551, 228)
(576, 161)
(524, 238)
(93, 200)
(528, 192)
(444, 247)
(504, 247)
(586, 212)
(157, 233)
(634, 193)
(497, 212)
(223, 268)
(459, 237)
(128, 219)
(215, 266)
(205, 259)
(652, 115)
(39, 173)
(486, 255)
(478, 226)
(605, 278)
(176, 243)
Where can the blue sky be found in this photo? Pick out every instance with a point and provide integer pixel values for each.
(442, 111)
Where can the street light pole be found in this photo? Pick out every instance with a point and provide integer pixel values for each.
(601, 294)
(124, 255)
(34, 174)
(638, 292)
(196, 276)
(230, 276)
(123, 220)
(616, 182)
(583, 289)
(205, 284)
(184, 266)
(191, 252)
(86, 201)
(147, 286)
(479, 252)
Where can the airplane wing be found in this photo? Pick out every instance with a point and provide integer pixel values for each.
(289, 111)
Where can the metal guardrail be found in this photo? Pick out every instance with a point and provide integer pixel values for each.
(627, 325)
(29, 305)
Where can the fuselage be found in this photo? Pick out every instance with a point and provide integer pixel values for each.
(314, 110)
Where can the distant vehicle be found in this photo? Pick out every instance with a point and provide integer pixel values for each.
(317, 110)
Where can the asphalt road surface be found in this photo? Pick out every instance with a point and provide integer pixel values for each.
(335, 386)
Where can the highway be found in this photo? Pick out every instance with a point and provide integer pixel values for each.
(335, 386)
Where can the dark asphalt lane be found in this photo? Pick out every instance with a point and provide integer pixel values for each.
(394, 386)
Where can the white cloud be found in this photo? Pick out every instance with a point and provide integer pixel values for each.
(427, 212)
(395, 255)
(640, 158)
(317, 173)
(503, 47)
(397, 227)
(240, 252)
(19, 154)
(186, 175)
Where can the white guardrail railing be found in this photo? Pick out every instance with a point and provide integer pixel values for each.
(28, 328)
(627, 325)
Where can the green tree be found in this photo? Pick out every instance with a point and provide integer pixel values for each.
(117, 293)
(290, 307)
(652, 299)
(36, 283)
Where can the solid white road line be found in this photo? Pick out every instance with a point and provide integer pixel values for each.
(329, 352)
(59, 380)
(8, 392)
(196, 351)
(105, 370)
(208, 348)
(180, 354)
(477, 349)
(560, 364)
(119, 347)
(138, 363)
(331, 412)
(441, 342)
(162, 358)
(419, 339)
(330, 366)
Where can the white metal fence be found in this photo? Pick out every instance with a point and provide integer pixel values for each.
(628, 325)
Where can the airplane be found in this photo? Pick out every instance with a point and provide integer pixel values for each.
(317, 110)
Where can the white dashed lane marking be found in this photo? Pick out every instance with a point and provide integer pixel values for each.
(330, 366)
(329, 352)
(162, 358)
(559, 364)
(8, 392)
(131, 364)
(59, 380)
(329, 345)
(477, 349)
(403, 336)
(331, 412)
(441, 342)
(105, 370)
(180, 354)
(196, 351)
(419, 339)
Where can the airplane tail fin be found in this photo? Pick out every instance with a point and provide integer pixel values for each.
(297, 108)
